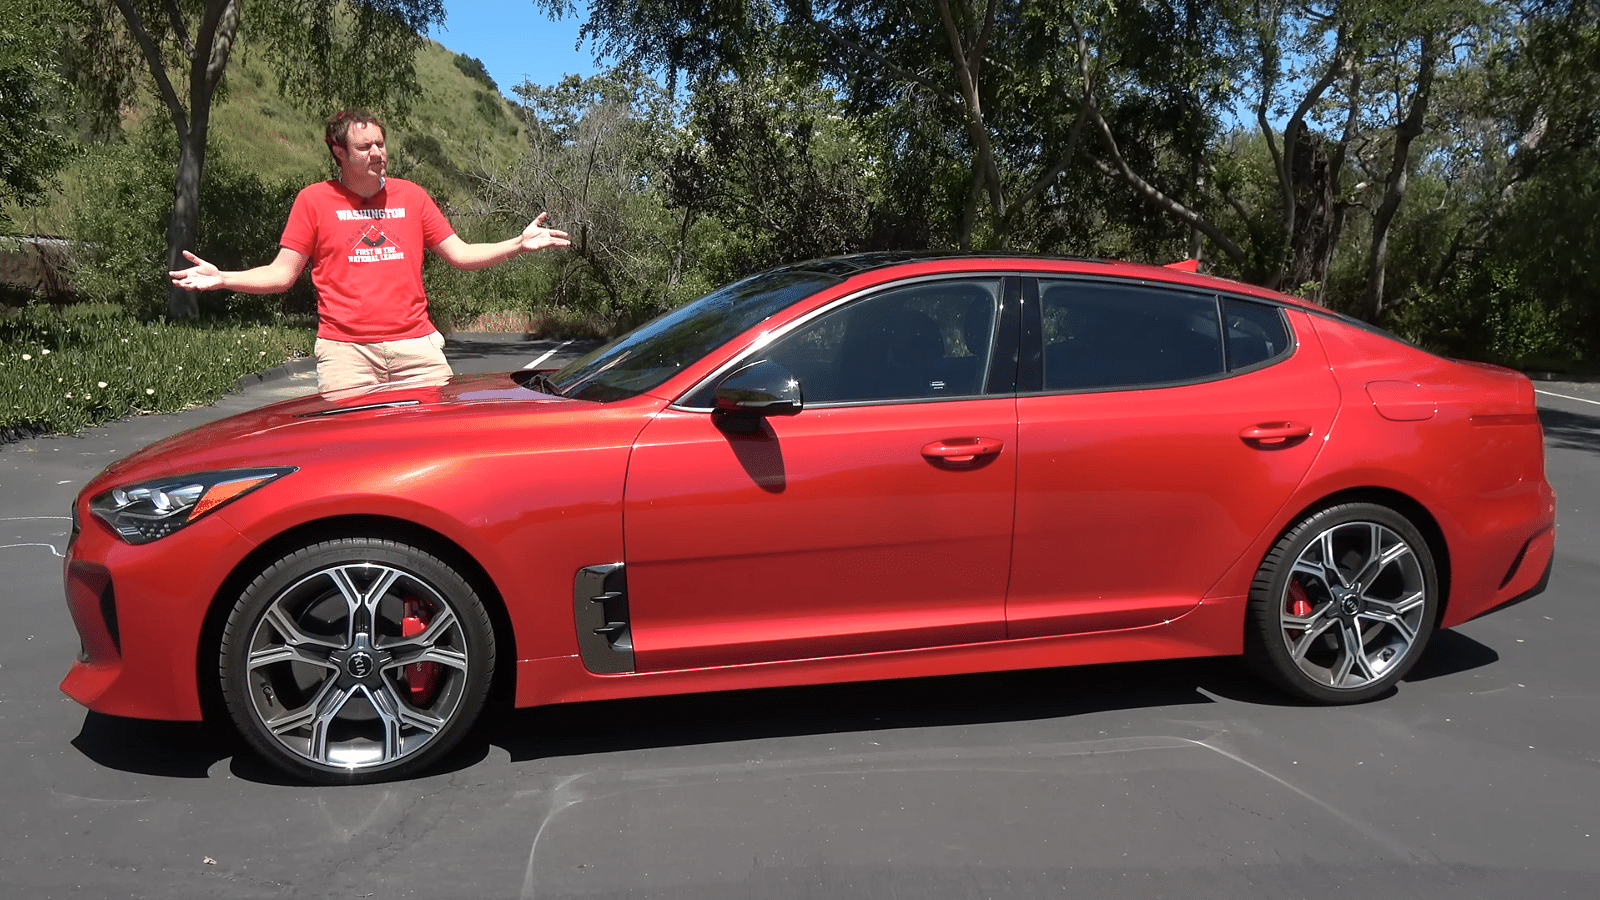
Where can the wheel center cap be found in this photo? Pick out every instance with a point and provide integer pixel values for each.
(359, 664)
(1350, 604)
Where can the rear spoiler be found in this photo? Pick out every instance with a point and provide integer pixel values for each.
(1185, 265)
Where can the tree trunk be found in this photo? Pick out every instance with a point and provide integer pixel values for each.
(185, 223)
(208, 59)
(1311, 243)
(1409, 129)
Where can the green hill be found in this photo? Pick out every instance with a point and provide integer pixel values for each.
(459, 126)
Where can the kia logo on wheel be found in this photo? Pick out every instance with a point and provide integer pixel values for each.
(359, 665)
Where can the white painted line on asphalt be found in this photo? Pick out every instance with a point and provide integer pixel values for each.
(1565, 397)
(548, 353)
(52, 547)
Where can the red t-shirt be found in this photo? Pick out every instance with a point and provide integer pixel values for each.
(366, 257)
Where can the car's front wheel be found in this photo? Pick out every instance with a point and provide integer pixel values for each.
(356, 660)
(1343, 605)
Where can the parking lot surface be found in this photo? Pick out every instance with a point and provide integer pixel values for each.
(1479, 777)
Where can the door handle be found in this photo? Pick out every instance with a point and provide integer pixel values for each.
(1273, 433)
(962, 450)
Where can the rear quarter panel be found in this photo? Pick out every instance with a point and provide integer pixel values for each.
(1476, 463)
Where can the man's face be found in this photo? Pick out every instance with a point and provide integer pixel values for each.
(363, 152)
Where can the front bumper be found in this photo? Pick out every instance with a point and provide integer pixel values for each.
(140, 612)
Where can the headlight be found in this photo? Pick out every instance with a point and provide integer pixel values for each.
(141, 513)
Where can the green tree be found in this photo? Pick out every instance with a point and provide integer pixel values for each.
(1032, 100)
(596, 149)
(1011, 95)
(772, 159)
(338, 52)
(1517, 278)
(30, 150)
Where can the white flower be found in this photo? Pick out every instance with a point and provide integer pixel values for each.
(27, 356)
(149, 390)
(101, 383)
(69, 393)
(46, 352)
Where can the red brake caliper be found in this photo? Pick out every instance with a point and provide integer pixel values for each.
(1299, 603)
(422, 677)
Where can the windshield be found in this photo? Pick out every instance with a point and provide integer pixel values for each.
(649, 355)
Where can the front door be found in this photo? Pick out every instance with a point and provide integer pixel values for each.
(860, 525)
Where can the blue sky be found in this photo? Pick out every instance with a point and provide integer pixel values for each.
(515, 41)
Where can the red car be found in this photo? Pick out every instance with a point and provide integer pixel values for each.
(856, 468)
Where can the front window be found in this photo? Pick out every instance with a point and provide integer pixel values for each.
(646, 357)
(925, 341)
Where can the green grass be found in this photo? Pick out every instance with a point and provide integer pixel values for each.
(63, 369)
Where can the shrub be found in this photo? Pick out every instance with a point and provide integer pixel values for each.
(125, 228)
(1489, 312)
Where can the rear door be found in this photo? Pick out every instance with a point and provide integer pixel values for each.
(1164, 428)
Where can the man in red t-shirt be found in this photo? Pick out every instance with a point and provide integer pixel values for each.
(364, 235)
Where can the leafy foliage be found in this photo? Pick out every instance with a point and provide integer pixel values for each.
(775, 162)
(30, 150)
(123, 229)
(473, 68)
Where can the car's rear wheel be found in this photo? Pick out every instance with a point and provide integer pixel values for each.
(1343, 605)
(356, 660)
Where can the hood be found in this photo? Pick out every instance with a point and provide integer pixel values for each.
(323, 420)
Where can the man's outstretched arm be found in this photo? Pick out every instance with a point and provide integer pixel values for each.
(273, 278)
(463, 255)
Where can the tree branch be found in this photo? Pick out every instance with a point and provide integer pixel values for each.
(894, 69)
(966, 76)
(158, 67)
(180, 30)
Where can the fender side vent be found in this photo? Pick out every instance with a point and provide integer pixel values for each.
(600, 611)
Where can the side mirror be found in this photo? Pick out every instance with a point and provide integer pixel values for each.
(758, 390)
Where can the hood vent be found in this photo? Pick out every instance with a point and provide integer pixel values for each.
(341, 410)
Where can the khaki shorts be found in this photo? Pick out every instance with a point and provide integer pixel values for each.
(344, 365)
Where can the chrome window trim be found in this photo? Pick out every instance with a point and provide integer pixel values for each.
(1218, 296)
(747, 355)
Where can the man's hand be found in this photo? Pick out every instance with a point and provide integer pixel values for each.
(202, 276)
(537, 237)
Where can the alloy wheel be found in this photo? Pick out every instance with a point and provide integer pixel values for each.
(357, 665)
(1354, 606)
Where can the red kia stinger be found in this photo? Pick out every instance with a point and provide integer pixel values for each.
(879, 466)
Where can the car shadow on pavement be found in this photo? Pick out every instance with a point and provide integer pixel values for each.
(192, 750)
(1570, 430)
(582, 728)
(141, 746)
(1451, 653)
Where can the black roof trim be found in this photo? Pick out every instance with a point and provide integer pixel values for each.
(855, 263)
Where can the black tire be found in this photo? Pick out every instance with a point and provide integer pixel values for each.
(356, 660)
(1355, 575)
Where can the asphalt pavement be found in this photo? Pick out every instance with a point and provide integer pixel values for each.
(1478, 778)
